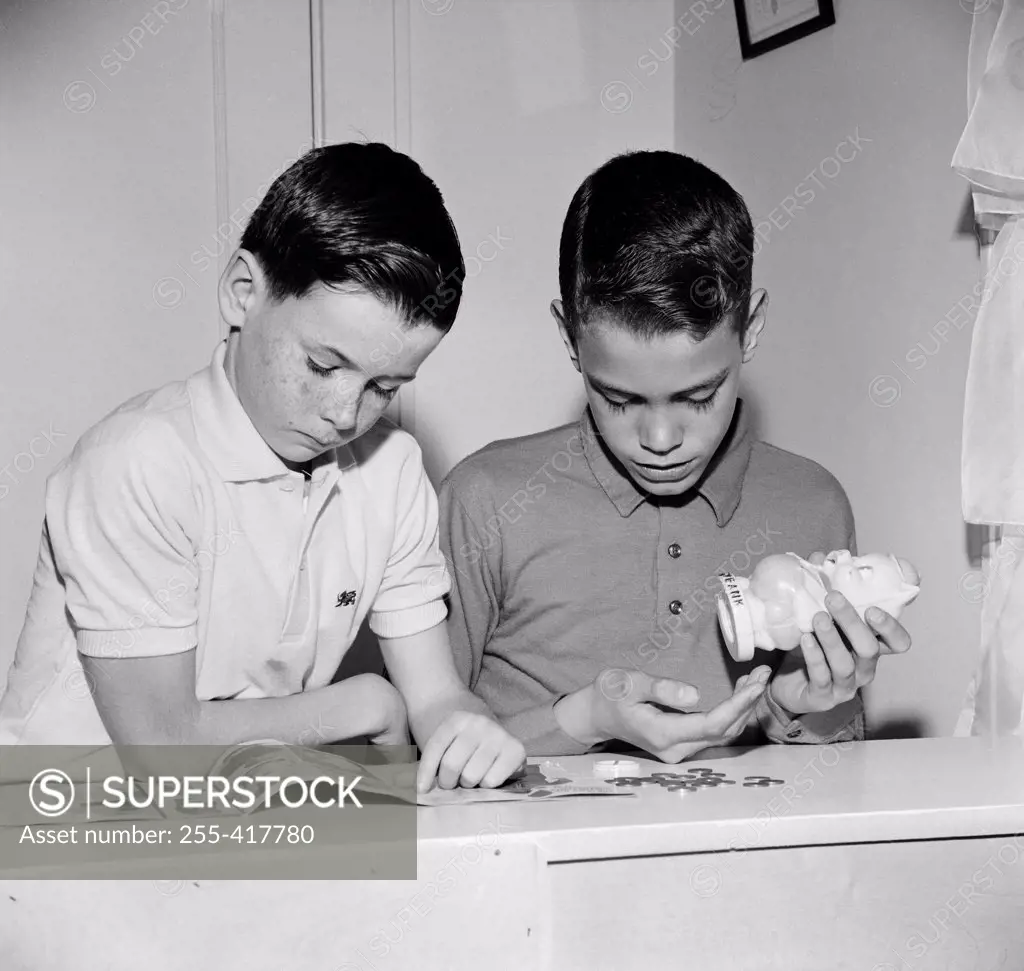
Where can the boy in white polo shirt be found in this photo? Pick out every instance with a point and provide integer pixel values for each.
(211, 548)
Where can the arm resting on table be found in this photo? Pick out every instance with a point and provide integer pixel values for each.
(152, 701)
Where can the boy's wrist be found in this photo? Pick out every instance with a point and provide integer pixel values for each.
(575, 715)
(379, 700)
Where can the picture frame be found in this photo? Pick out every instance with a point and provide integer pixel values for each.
(766, 25)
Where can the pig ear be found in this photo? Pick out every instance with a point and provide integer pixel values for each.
(908, 572)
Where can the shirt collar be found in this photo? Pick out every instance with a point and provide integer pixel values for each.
(226, 433)
(722, 482)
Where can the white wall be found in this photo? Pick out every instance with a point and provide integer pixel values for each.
(110, 205)
(104, 191)
(856, 279)
(506, 106)
(509, 113)
(112, 190)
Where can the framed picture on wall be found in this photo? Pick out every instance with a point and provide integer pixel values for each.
(768, 24)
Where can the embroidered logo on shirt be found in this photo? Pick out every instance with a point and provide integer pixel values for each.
(346, 599)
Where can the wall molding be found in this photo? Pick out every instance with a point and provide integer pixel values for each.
(316, 68)
(220, 137)
(401, 46)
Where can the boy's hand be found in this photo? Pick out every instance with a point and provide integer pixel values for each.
(840, 656)
(469, 749)
(623, 705)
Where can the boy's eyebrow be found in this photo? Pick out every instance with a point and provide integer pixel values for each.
(346, 361)
(707, 385)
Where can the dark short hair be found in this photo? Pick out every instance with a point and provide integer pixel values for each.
(661, 243)
(360, 215)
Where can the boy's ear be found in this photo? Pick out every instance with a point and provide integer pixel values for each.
(757, 317)
(559, 314)
(241, 286)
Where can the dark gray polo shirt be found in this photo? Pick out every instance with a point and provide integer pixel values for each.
(562, 567)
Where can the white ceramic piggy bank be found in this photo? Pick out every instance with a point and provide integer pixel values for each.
(772, 608)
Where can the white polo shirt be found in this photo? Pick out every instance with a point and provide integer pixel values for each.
(172, 525)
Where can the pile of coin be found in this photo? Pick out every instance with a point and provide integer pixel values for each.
(693, 780)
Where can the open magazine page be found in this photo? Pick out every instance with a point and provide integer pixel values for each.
(375, 775)
(397, 780)
(542, 781)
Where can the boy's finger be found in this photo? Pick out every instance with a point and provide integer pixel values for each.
(892, 635)
(518, 772)
(503, 767)
(455, 760)
(859, 635)
(703, 726)
(762, 674)
(478, 765)
(839, 656)
(696, 726)
(673, 694)
(432, 754)
(758, 678)
(739, 725)
(864, 670)
(733, 709)
(818, 672)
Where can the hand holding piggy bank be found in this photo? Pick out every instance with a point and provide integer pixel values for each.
(776, 605)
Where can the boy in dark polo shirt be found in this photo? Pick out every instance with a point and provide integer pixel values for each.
(583, 558)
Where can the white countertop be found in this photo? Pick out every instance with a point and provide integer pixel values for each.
(857, 792)
(906, 789)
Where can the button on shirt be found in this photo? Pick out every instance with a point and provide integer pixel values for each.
(172, 526)
(562, 567)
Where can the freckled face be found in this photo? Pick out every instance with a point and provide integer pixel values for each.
(316, 372)
(663, 405)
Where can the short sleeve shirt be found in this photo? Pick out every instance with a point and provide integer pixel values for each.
(172, 526)
(563, 568)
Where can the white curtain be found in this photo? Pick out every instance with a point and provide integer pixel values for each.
(991, 156)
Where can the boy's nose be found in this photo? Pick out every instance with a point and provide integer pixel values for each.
(341, 409)
(660, 438)
(342, 417)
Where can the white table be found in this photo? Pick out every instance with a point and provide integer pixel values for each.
(874, 856)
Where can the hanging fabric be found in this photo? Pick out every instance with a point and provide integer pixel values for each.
(991, 156)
